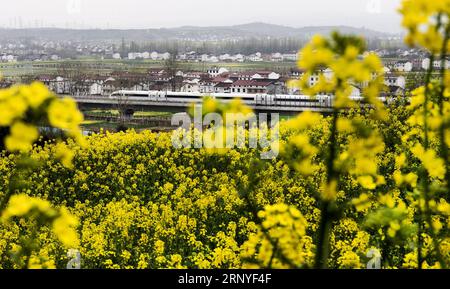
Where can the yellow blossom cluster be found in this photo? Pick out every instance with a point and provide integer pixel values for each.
(422, 31)
(281, 242)
(62, 222)
(144, 204)
(23, 107)
(340, 67)
(345, 185)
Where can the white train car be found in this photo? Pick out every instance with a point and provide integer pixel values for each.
(249, 99)
(192, 97)
(169, 96)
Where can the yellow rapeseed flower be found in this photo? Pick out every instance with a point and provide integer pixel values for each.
(21, 137)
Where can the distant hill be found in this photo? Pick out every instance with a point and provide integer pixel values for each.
(186, 32)
(265, 29)
(325, 30)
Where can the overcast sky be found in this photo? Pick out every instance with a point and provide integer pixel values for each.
(376, 14)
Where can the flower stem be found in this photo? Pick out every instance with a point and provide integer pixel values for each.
(444, 149)
(426, 213)
(323, 245)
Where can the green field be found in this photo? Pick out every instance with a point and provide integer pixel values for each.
(98, 66)
(115, 112)
(97, 125)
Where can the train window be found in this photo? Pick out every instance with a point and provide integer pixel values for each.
(183, 96)
(136, 95)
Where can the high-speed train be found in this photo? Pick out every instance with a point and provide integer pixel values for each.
(249, 99)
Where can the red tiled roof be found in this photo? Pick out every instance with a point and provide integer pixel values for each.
(251, 83)
(223, 84)
(246, 73)
(219, 79)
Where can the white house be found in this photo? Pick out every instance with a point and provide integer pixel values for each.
(154, 55)
(96, 88)
(59, 85)
(225, 57)
(251, 86)
(277, 57)
(403, 66)
(290, 56)
(356, 92)
(395, 80)
(134, 55)
(239, 58)
(164, 56)
(223, 87)
(215, 71)
(314, 78)
(266, 75)
(214, 59)
(192, 85)
(436, 64)
(8, 58)
(255, 57)
(206, 86)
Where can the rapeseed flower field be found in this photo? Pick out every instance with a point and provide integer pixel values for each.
(359, 183)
